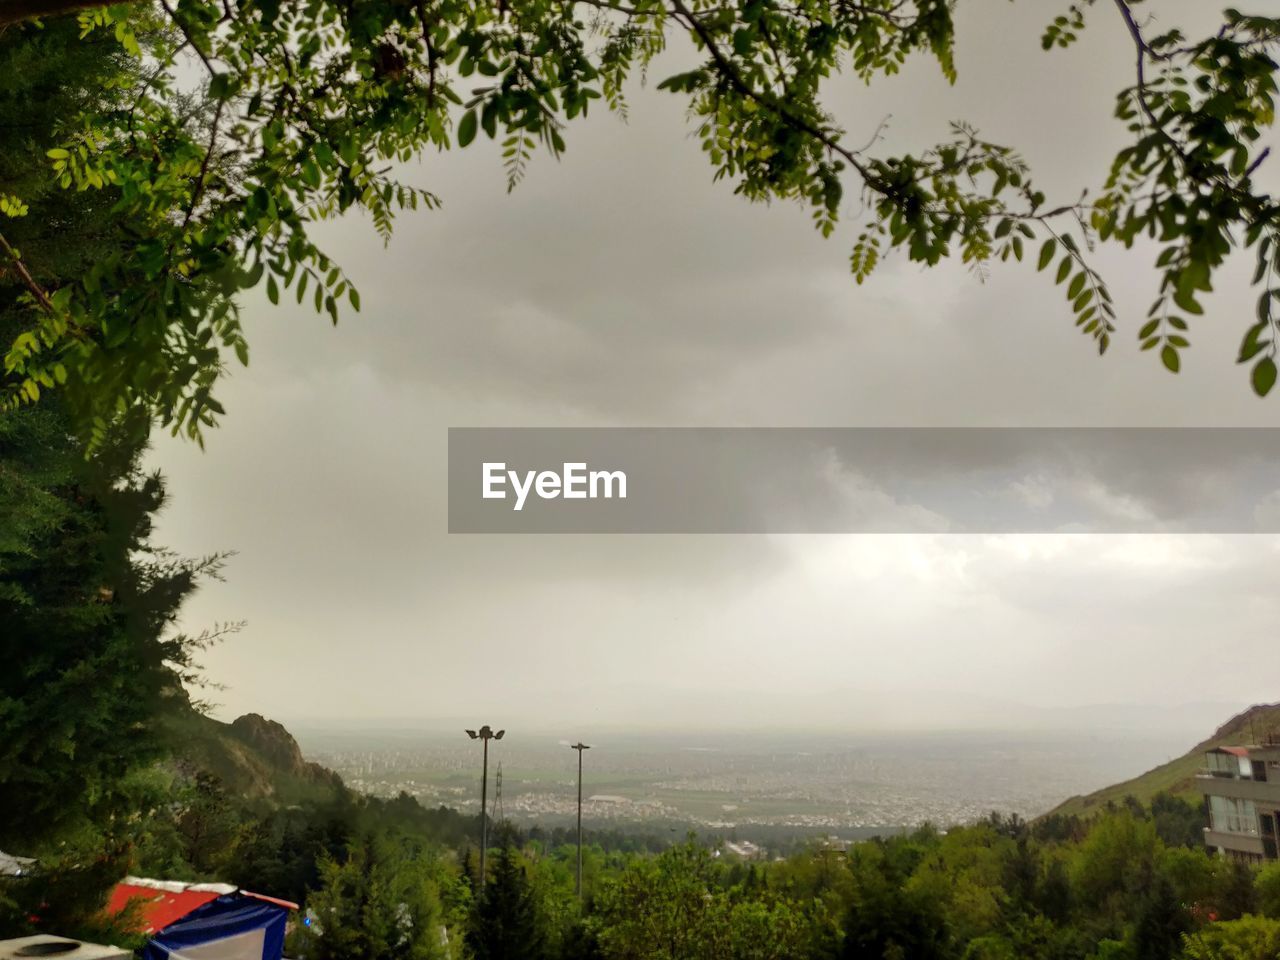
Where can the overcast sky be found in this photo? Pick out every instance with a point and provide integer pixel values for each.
(621, 286)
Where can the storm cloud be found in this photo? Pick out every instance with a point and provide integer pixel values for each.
(622, 287)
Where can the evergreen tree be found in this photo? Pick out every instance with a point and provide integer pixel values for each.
(87, 605)
(1237, 896)
(381, 903)
(88, 659)
(85, 599)
(505, 924)
(1162, 920)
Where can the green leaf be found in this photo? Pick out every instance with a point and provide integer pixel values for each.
(1186, 299)
(1169, 357)
(220, 86)
(1253, 343)
(1264, 376)
(467, 128)
(1046, 253)
(273, 289)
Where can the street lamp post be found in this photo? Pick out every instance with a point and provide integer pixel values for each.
(579, 746)
(485, 734)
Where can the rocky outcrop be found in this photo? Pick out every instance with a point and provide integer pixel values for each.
(276, 745)
(271, 741)
(252, 757)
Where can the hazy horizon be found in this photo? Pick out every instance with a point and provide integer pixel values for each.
(1173, 720)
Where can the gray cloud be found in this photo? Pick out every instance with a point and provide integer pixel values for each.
(621, 286)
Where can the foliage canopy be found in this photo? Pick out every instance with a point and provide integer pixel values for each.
(303, 108)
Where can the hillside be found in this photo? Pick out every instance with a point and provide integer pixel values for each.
(255, 758)
(1177, 776)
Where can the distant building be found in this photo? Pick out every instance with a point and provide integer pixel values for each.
(1241, 787)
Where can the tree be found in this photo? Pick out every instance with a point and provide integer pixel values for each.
(1250, 938)
(88, 606)
(280, 852)
(889, 921)
(671, 907)
(764, 930)
(208, 825)
(381, 903)
(88, 664)
(505, 924)
(1236, 894)
(1116, 863)
(1178, 822)
(1162, 920)
(89, 655)
(304, 105)
(88, 603)
(1267, 887)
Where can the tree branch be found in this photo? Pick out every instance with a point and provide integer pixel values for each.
(17, 11)
(24, 275)
(204, 164)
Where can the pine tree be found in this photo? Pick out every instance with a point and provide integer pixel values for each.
(505, 923)
(1161, 922)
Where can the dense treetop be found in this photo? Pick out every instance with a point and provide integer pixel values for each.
(302, 108)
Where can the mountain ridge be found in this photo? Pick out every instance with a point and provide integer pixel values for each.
(1177, 776)
(252, 757)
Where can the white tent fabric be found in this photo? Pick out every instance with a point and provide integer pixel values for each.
(11, 866)
(239, 946)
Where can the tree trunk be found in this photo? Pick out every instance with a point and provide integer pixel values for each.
(16, 11)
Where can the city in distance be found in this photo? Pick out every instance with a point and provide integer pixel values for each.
(766, 787)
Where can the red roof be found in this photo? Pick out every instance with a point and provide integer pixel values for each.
(159, 907)
(1234, 751)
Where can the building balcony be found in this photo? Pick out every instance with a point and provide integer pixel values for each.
(1265, 791)
(1240, 842)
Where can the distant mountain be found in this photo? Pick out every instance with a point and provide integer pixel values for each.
(255, 758)
(1178, 776)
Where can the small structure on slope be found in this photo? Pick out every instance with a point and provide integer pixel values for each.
(203, 921)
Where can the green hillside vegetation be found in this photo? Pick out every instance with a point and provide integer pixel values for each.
(1177, 777)
(252, 758)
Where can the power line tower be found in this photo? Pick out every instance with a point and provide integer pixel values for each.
(497, 814)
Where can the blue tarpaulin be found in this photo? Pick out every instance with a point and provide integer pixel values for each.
(232, 927)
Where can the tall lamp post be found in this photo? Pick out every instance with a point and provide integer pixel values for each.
(485, 734)
(579, 746)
